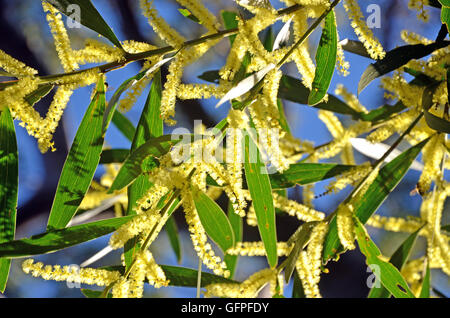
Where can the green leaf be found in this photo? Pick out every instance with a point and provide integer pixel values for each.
(325, 60)
(445, 17)
(237, 226)
(172, 233)
(89, 293)
(292, 89)
(297, 289)
(213, 219)
(230, 22)
(189, 15)
(300, 239)
(306, 173)
(397, 58)
(389, 276)
(269, 39)
(150, 126)
(387, 179)
(38, 94)
(383, 112)
(184, 277)
(261, 193)
(426, 284)
(86, 15)
(434, 122)
(114, 156)
(398, 259)
(81, 162)
(9, 182)
(124, 125)
(133, 165)
(55, 240)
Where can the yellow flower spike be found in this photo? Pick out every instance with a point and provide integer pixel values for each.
(257, 249)
(54, 114)
(121, 289)
(137, 47)
(305, 271)
(96, 52)
(61, 38)
(363, 32)
(160, 26)
(350, 98)
(90, 276)
(247, 289)
(126, 103)
(433, 153)
(202, 91)
(332, 122)
(414, 38)
(302, 212)
(15, 67)
(199, 10)
(395, 224)
(408, 94)
(350, 177)
(346, 226)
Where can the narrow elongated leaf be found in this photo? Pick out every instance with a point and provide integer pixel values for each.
(297, 289)
(300, 239)
(355, 47)
(174, 239)
(114, 156)
(9, 182)
(145, 154)
(437, 123)
(54, 240)
(397, 58)
(188, 14)
(150, 126)
(306, 173)
(214, 220)
(245, 85)
(81, 162)
(83, 11)
(389, 276)
(426, 284)
(387, 179)
(236, 225)
(282, 36)
(184, 277)
(261, 193)
(325, 60)
(38, 94)
(124, 125)
(398, 259)
(269, 39)
(89, 293)
(292, 89)
(383, 112)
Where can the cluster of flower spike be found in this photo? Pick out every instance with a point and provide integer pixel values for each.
(183, 179)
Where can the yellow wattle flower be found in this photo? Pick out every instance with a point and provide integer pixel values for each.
(346, 226)
(15, 67)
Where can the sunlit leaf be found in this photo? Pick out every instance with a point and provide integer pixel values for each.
(385, 182)
(389, 276)
(9, 182)
(54, 240)
(261, 192)
(81, 162)
(325, 60)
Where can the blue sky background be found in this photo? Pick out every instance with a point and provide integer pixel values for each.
(303, 121)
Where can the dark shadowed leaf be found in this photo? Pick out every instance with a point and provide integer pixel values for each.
(114, 156)
(124, 125)
(237, 226)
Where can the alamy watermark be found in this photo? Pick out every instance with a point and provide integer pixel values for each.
(73, 12)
